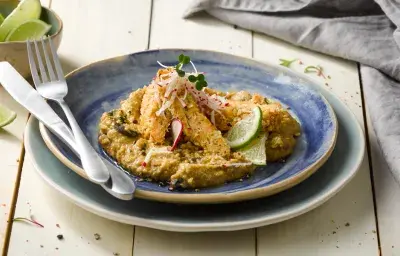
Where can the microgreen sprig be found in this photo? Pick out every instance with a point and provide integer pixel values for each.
(286, 63)
(182, 61)
(29, 221)
(317, 69)
(199, 80)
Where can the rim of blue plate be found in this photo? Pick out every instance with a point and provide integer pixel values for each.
(243, 195)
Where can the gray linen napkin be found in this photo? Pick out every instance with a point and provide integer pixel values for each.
(365, 31)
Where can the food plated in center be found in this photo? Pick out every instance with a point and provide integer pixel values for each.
(178, 131)
(103, 91)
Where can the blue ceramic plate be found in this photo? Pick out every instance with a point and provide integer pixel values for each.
(101, 86)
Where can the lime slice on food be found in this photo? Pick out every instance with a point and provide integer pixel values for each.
(255, 151)
(6, 116)
(25, 10)
(1, 18)
(32, 29)
(244, 131)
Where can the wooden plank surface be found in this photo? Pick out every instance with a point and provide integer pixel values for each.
(387, 194)
(60, 217)
(100, 29)
(169, 30)
(94, 30)
(12, 155)
(10, 148)
(345, 225)
(149, 242)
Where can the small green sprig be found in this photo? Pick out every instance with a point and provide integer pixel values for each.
(286, 63)
(199, 81)
(29, 221)
(317, 69)
(182, 61)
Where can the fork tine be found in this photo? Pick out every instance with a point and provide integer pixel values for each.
(40, 62)
(56, 60)
(48, 63)
(32, 64)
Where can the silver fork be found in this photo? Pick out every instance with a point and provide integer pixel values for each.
(55, 88)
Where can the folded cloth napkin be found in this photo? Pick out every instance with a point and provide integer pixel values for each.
(364, 31)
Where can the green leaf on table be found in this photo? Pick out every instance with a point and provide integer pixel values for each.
(316, 69)
(286, 63)
(28, 221)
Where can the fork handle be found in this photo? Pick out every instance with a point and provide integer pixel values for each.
(91, 162)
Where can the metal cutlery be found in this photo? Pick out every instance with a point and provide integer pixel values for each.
(53, 87)
(120, 185)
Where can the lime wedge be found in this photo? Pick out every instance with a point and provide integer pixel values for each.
(26, 10)
(255, 151)
(244, 131)
(1, 18)
(6, 116)
(32, 29)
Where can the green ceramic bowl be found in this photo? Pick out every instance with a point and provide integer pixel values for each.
(15, 52)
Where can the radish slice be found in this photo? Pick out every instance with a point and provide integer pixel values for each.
(176, 128)
(185, 95)
(162, 65)
(213, 117)
(166, 105)
(182, 102)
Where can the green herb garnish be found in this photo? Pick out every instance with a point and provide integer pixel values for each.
(182, 61)
(316, 69)
(199, 80)
(286, 63)
(29, 221)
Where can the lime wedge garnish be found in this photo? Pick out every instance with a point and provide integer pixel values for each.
(6, 116)
(26, 10)
(32, 29)
(255, 151)
(1, 18)
(244, 131)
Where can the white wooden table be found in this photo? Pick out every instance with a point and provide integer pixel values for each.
(98, 29)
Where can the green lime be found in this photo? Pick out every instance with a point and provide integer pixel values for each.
(26, 10)
(32, 29)
(244, 131)
(6, 116)
(1, 18)
(255, 151)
